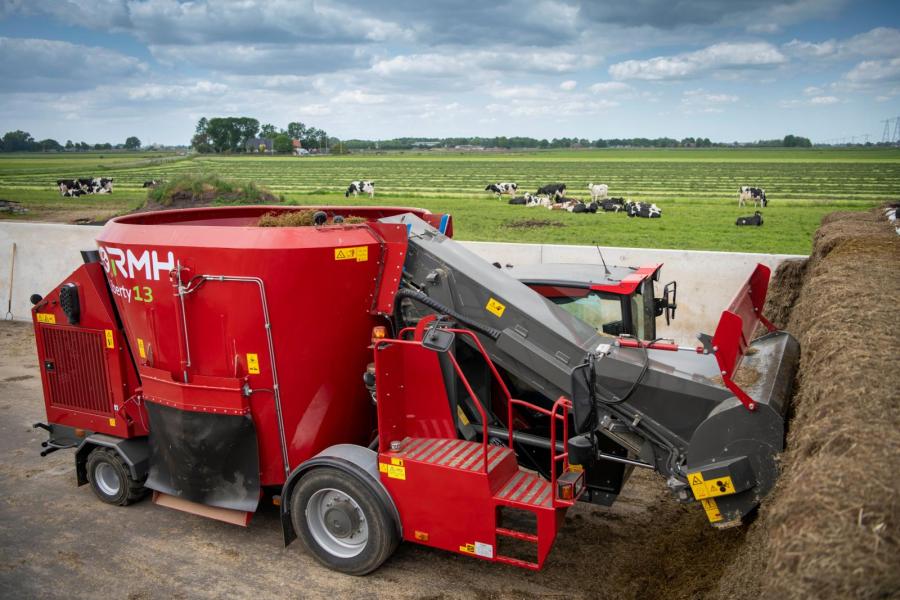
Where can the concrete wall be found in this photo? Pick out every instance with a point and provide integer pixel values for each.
(47, 252)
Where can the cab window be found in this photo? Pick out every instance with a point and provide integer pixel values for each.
(601, 311)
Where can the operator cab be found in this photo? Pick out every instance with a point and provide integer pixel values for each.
(614, 300)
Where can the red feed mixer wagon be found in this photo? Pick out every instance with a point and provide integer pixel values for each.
(381, 383)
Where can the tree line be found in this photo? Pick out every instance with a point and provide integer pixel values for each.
(22, 141)
(234, 135)
(409, 143)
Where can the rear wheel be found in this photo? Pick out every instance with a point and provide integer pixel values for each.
(342, 521)
(111, 479)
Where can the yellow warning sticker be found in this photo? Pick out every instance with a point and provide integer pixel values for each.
(357, 253)
(467, 548)
(710, 488)
(112, 422)
(461, 415)
(110, 342)
(46, 318)
(252, 363)
(141, 350)
(396, 470)
(712, 510)
(495, 307)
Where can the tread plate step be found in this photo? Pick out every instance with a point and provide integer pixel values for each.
(453, 453)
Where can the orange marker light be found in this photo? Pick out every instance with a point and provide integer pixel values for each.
(79, 433)
(421, 536)
(379, 333)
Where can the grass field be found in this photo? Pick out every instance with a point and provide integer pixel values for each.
(696, 189)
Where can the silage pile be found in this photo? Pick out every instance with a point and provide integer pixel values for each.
(830, 528)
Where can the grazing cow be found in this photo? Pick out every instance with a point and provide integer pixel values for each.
(755, 219)
(598, 190)
(360, 187)
(151, 183)
(554, 190)
(757, 195)
(502, 188)
(643, 209)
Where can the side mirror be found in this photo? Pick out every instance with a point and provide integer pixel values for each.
(439, 340)
(670, 295)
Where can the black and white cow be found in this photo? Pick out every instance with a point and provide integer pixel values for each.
(522, 200)
(502, 188)
(613, 205)
(643, 209)
(101, 185)
(757, 195)
(554, 190)
(152, 183)
(360, 187)
(755, 219)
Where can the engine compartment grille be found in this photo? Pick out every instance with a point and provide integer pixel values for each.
(75, 365)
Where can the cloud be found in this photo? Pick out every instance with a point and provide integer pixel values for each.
(262, 58)
(763, 28)
(878, 42)
(469, 62)
(35, 65)
(359, 97)
(568, 86)
(611, 87)
(874, 71)
(814, 101)
(721, 56)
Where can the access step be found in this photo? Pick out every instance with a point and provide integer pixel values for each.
(452, 453)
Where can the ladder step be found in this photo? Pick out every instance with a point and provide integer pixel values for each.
(517, 563)
(519, 535)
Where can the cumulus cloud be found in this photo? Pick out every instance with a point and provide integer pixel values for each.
(262, 58)
(814, 101)
(469, 62)
(35, 65)
(611, 87)
(721, 56)
(568, 85)
(874, 71)
(878, 42)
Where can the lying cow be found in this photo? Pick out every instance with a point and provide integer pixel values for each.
(643, 209)
(598, 190)
(502, 188)
(757, 195)
(151, 183)
(101, 185)
(360, 187)
(522, 200)
(75, 187)
(613, 205)
(554, 190)
(535, 200)
(755, 219)
(576, 206)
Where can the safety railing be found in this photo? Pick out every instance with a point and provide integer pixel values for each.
(562, 404)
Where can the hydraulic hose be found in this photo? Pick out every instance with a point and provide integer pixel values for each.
(425, 299)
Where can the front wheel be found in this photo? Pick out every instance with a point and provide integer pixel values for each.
(342, 521)
(111, 479)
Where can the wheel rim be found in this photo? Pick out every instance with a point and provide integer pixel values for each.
(337, 523)
(107, 479)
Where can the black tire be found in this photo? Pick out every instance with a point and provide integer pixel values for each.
(382, 535)
(111, 479)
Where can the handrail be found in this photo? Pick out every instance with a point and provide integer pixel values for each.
(465, 382)
(562, 403)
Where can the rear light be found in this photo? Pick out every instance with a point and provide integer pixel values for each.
(379, 333)
(79, 433)
(566, 491)
(570, 485)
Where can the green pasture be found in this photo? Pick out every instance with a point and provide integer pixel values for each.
(695, 188)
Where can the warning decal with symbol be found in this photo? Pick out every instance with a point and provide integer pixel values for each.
(357, 253)
(710, 488)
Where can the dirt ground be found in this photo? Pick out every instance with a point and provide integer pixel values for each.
(58, 541)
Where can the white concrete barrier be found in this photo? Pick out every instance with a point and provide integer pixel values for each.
(47, 252)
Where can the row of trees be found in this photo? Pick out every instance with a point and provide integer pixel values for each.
(22, 141)
(231, 134)
(789, 141)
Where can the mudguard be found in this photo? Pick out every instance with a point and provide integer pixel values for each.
(208, 458)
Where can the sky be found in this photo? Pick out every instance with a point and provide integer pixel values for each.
(102, 70)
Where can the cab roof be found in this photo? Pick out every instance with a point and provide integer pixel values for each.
(619, 280)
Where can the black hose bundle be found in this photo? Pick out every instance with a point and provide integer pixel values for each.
(423, 298)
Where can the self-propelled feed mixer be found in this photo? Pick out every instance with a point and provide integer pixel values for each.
(380, 382)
